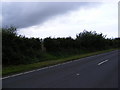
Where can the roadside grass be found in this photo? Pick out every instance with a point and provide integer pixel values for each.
(10, 70)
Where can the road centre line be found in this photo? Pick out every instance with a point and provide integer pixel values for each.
(46, 68)
(102, 62)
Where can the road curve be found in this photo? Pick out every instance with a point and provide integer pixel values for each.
(98, 71)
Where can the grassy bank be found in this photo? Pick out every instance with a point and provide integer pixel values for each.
(22, 68)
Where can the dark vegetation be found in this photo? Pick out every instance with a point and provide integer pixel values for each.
(18, 50)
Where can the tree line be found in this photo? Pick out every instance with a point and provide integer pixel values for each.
(22, 50)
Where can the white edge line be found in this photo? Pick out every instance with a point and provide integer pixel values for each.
(45, 68)
(36, 70)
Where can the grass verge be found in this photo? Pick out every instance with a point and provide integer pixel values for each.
(22, 68)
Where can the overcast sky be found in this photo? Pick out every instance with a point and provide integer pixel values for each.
(60, 19)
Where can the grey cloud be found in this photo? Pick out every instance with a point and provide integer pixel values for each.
(25, 14)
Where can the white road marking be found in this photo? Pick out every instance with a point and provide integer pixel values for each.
(24, 73)
(12, 75)
(77, 74)
(46, 68)
(35, 70)
(102, 62)
(40, 69)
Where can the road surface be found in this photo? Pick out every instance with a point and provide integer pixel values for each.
(98, 71)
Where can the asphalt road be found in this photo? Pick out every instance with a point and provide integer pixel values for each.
(98, 71)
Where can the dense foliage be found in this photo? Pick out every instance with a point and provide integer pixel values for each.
(85, 41)
(21, 50)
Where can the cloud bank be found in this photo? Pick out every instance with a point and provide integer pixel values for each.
(25, 14)
(60, 19)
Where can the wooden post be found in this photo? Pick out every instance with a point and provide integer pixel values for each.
(42, 46)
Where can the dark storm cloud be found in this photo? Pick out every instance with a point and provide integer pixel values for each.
(25, 14)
